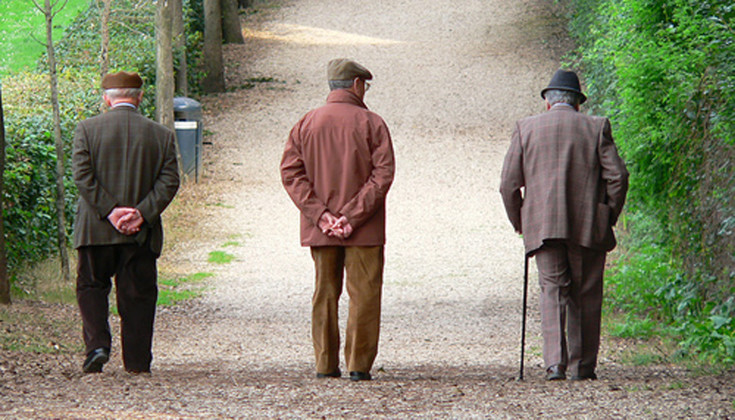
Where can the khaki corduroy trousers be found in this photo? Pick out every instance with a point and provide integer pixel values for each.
(363, 267)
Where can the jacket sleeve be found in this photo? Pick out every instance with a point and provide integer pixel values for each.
(613, 172)
(165, 186)
(295, 180)
(83, 169)
(372, 194)
(512, 180)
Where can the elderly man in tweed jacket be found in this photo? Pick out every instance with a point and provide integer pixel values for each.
(575, 185)
(126, 171)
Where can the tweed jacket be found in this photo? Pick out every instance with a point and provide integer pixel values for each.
(339, 157)
(122, 159)
(575, 182)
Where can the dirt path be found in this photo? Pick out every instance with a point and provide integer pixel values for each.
(451, 78)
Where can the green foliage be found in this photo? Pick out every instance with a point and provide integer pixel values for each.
(662, 70)
(30, 167)
(29, 178)
(22, 31)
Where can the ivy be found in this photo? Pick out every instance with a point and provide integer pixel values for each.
(663, 71)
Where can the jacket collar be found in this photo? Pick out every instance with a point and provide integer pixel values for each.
(563, 107)
(123, 109)
(345, 96)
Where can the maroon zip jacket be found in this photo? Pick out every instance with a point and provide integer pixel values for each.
(339, 157)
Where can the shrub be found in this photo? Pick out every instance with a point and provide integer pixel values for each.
(662, 70)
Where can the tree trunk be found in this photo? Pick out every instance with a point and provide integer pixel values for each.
(214, 79)
(60, 194)
(181, 70)
(104, 54)
(4, 280)
(231, 29)
(164, 63)
(105, 30)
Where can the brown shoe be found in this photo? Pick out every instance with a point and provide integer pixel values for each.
(555, 373)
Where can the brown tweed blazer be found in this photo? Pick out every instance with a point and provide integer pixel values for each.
(575, 182)
(122, 159)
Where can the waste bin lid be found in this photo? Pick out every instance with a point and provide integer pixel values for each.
(187, 109)
(182, 103)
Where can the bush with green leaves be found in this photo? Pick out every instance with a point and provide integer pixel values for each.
(29, 178)
(662, 70)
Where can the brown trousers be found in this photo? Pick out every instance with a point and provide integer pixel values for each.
(364, 269)
(134, 268)
(570, 277)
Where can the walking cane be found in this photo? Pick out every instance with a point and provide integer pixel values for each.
(523, 322)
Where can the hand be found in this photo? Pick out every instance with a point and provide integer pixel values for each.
(126, 220)
(326, 222)
(342, 228)
(130, 223)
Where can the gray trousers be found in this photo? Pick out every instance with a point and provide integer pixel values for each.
(570, 277)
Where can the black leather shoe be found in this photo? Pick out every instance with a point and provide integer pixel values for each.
(555, 373)
(589, 376)
(335, 374)
(360, 376)
(95, 359)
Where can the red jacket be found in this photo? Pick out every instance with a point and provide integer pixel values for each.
(339, 157)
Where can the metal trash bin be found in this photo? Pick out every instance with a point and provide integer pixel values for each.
(188, 126)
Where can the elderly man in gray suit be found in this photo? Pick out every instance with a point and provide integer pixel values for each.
(126, 171)
(563, 185)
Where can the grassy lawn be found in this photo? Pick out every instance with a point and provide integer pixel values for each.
(22, 26)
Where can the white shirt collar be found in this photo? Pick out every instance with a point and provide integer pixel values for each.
(119, 104)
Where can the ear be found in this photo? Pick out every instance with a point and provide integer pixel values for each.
(355, 81)
(106, 99)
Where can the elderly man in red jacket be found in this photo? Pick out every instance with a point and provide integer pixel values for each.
(337, 168)
(575, 185)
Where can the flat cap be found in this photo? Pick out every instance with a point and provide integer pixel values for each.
(346, 69)
(122, 80)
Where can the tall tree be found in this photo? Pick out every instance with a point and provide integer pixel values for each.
(164, 63)
(105, 44)
(105, 30)
(49, 10)
(4, 280)
(231, 29)
(214, 78)
(182, 77)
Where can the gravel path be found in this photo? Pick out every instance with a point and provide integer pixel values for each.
(451, 78)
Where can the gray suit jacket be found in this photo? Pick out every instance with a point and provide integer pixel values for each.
(575, 182)
(122, 159)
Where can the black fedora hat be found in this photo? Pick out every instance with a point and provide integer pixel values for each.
(565, 80)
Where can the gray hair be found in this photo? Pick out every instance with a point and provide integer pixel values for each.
(340, 84)
(555, 96)
(123, 93)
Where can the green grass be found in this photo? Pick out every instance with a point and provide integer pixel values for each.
(22, 25)
(174, 290)
(220, 257)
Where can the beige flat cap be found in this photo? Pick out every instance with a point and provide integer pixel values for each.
(122, 80)
(346, 69)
